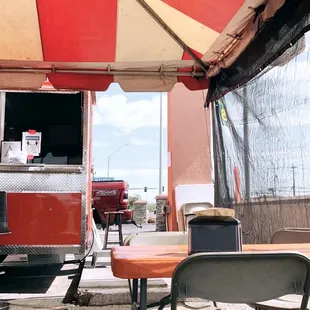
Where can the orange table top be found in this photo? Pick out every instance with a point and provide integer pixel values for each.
(146, 262)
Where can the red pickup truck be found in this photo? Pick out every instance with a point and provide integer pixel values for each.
(110, 195)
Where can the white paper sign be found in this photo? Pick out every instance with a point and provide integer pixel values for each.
(7, 147)
(31, 143)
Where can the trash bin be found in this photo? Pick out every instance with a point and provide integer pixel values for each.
(214, 235)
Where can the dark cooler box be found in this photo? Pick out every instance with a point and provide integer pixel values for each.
(214, 235)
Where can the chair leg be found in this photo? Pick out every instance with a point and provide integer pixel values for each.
(135, 284)
(130, 290)
(174, 300)
(304, 303)
(143, 294)
(120, 231)
(94, 260)
(106, 233)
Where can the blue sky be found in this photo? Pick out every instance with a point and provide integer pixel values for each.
(133, 119)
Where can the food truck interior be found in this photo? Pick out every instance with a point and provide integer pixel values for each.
(57, 116)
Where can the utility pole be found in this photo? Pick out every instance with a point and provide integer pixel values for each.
(294, 186)
(93, 172)
(246, 146)
(160, 143)
(275, 177)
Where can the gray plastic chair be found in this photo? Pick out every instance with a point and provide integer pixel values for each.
(291, 235)
(157, 238)
(188, 211)
(241, 277)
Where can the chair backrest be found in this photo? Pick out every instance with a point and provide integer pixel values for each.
(288, 235)
(296, 228)
(241, 277)
(188, 211)
(157, 238)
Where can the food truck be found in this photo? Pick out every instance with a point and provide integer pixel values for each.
(45, 171)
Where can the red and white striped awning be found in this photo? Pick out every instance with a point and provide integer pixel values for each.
(144, 45)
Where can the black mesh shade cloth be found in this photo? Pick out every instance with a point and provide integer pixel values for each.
(261, 114)
(273, 39)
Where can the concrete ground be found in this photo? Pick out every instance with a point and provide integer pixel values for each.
(57, 287)
(56, 304)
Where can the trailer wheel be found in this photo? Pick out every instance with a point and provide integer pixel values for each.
(2, 258)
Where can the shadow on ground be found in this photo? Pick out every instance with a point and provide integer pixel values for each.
(29, 280)
(40, 279)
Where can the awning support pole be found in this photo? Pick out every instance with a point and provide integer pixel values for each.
(140, 73)
(173, 35)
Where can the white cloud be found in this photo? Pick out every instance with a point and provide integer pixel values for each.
(118, 133)
(134, 163)
(127, 116)
(140, 142)
(121, 173)
(96, 117)
(100, 144)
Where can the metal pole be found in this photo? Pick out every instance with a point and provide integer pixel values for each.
(160, 142)
(303, 170)
(294, 187)
(246, 144)
(222, 196)
(93, 172)
(108, 166)
(275, 176)
(216, 147)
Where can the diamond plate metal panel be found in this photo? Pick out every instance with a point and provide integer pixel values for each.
(38, 182)
(52, 249)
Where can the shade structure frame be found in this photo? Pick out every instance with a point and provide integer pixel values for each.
(117, 35)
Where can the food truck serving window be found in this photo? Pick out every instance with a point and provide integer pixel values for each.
(57, 117)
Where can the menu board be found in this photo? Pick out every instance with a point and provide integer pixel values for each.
(31, 143)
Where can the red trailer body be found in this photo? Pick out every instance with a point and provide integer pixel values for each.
(45, 203)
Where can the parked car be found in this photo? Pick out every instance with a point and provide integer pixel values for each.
(111, 195)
